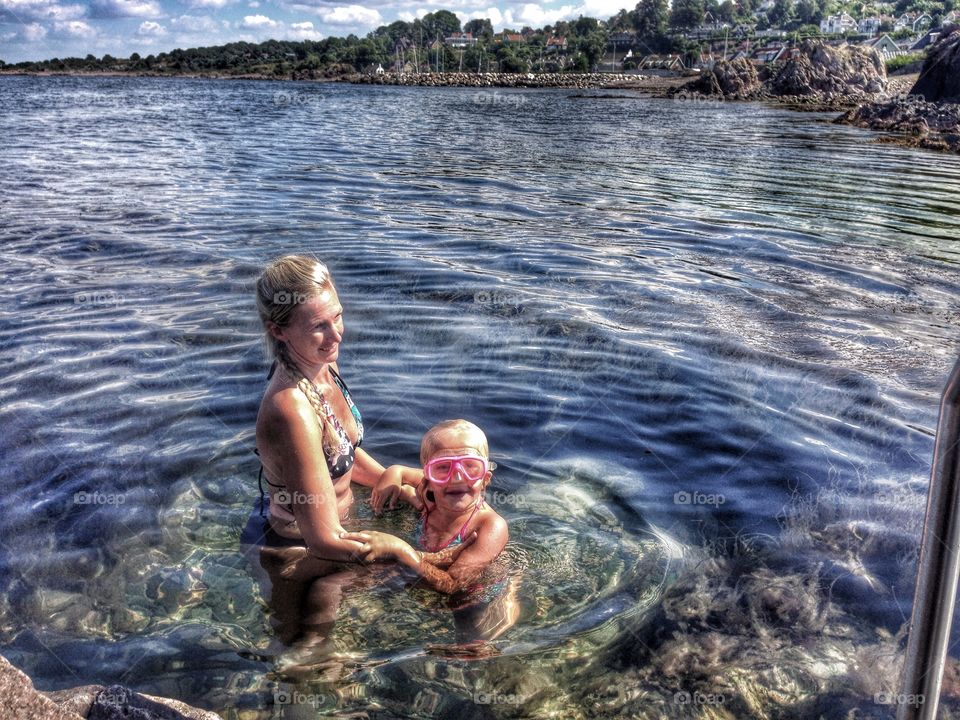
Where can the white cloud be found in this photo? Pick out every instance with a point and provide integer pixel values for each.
(148, 28)
(195, 25)
(33, 32)
(212, 4)
(20, 10)
(303, 31)
(75, 28)
(352, 15)
(257, 22)
(125, 8)
(254, 4)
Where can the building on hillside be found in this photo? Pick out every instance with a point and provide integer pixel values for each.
(743, 30)
(509, 38)
(661, 62)
(952, 18)
(461, 40)
(926, 41)
(623, 39)
(904, 22)
(770, 53)
(883, 45)
(869, 26)
(557, 44)
(923, 22)
(838, 24)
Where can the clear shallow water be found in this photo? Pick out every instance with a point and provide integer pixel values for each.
(706, 345)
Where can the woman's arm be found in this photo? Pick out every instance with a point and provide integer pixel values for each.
(366, 470)
(293, 434)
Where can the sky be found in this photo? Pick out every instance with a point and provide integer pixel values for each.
(44, 29)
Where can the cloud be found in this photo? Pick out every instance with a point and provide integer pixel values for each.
(125, 8)
(352, 15)
(33, 32)
(195, 25)
(22, 10)
(212, 4)
(75, 28)
(257, 22)
(303, 31)
(148, 28)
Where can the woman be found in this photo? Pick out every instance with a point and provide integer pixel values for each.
(308, 437)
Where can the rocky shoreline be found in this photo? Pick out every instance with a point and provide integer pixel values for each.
(512, 80)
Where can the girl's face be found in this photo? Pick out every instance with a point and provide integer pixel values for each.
(460, 493)
(315, 330)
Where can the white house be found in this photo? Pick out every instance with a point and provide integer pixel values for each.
(838, 24)
(884, 45)
(869, 26)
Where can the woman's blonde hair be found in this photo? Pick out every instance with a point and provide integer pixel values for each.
(283, 285)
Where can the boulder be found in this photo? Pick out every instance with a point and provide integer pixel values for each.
(22, 702)
(823, 70)
(940, 78)
(732, 79)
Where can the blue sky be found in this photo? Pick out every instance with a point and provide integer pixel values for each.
(42, 29)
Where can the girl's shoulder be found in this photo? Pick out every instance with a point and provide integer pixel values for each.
(490, 522)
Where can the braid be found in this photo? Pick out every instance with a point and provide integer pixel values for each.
(327, 430)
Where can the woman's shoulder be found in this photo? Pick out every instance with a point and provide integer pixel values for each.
(282, 407)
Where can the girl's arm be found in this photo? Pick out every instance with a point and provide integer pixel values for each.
(292, 432)
(491, 536)
(397, 481)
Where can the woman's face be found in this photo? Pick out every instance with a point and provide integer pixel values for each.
(315, 330)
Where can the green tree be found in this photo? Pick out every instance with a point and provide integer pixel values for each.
(651, 18)
(781, 13)
(686, 14)
(480, 28)
(440, 24)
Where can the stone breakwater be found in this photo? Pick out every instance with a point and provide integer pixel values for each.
(504, 80)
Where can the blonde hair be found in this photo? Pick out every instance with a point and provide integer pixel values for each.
(430, 444)
(283, 285)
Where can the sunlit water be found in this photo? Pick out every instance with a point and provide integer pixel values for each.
(706, 344)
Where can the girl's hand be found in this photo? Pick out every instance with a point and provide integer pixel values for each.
(378, 546)
(388, 488)
(448, 556)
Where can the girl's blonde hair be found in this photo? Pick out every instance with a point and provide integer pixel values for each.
(285, 284)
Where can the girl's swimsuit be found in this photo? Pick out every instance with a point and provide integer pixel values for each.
(420, 530)
(339, 458)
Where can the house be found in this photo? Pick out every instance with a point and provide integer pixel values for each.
(461, 40)
(922, 23)
(661, 62)
(770, 53)
(904, 21)
(509, 38)
(556, 44)
(883, 45)
(838, 24)
(926, 41)
(952, 18)
(623, 39)
(743, 30)
(869, 26)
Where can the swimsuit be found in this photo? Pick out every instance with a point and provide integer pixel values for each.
(420, 530)
(340, 458)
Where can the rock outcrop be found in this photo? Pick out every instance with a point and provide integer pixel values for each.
(927, 117)
(734, 79)
(827, 71)
(940, 77)
(21, 701)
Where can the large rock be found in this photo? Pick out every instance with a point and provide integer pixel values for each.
(823, 70)
(736, 79)
(940, 78)
(22, 702)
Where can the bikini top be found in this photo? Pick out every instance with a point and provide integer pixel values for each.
(421, 528)
(341, 457)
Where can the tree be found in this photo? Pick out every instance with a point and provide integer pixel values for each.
(480, 28)
(440, 24)
(686, 14)
(781, 12)
(651, 19)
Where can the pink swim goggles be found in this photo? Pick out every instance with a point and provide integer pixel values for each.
(472, 468)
